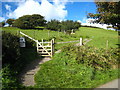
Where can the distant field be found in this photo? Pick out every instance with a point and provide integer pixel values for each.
(99, 36)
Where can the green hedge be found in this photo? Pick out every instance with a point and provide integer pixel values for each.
(14, 59)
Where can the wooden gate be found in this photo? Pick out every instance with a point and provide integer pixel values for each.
(43, 48)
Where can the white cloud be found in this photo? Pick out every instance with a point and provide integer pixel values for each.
(50, 11)
(2, 19)
(84, 19)
(88, 22)
(8, 7)
(12, 0)
(79, 21)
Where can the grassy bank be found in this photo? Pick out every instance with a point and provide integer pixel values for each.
(64, 70)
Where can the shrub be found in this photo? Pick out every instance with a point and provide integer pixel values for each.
(100, 59)
(10, 48)
(9, 78)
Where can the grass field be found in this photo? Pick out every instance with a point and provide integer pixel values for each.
(99, 36)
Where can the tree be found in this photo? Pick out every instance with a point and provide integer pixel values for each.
(30, 21)
(69, 25)
(107, 13)
(54, 25)
(76, 25)
(2, 24)
(10, 22)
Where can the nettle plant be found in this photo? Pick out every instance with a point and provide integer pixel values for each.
(100, 59)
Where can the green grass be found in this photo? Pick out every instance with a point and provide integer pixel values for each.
(99, 36)
(57, 74)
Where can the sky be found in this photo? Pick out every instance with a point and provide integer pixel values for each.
(67, 10)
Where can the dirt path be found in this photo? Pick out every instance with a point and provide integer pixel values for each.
(27, 76)
(112, 84)
(67, 42)
(84, 41)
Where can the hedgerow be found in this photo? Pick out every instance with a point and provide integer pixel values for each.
(14, 59)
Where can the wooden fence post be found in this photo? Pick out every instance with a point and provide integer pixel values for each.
(37, 45)
(80, 41)
(53, 45)
(42, 42)
(51, 48)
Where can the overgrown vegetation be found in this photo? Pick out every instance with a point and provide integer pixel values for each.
(78, 67)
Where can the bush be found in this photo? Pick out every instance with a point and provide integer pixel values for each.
(9, 78)
(100, 59)
(10, 48)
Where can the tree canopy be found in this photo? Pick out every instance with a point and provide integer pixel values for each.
(2, 24)
(30, 21)
(53, 25)
(10, 21)
(107, 13)
(63, 25)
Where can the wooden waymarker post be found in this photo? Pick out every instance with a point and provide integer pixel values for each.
(80, 41)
